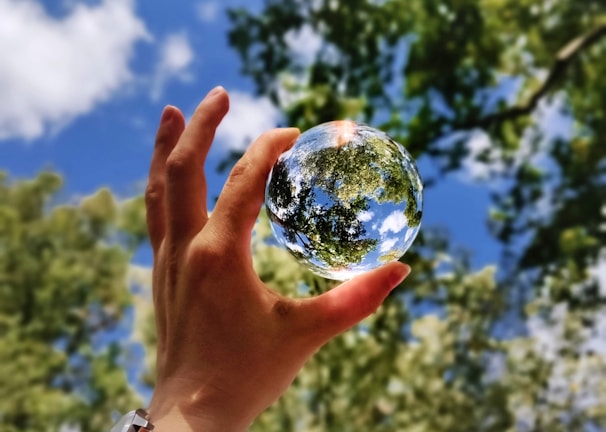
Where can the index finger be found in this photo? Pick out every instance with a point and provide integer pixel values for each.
(186, 182)
(242, 197)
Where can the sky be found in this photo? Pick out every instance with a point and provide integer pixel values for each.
(83, 83)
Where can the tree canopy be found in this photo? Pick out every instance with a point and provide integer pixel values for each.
(63, 300)
(516, 87)
(484, 82)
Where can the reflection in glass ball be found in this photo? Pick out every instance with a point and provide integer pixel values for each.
(345, 199)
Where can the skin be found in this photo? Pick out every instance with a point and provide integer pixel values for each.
(228, 346)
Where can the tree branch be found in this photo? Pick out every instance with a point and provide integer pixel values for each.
(563, 59)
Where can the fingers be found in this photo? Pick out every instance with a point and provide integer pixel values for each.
(169, 131)
(242, 197)
(346, 305)
(186, 183)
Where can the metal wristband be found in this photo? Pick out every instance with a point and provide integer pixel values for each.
(134, 421)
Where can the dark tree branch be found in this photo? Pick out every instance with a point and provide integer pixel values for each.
(563, 59)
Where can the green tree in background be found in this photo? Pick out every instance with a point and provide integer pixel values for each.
(63, 291)
(459, 82)
(510, 347)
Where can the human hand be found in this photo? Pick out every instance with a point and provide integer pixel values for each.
(228, 346)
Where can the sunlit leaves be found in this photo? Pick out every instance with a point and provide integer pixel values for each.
(434, 74)
(62, 288)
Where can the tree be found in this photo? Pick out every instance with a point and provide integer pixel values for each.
(63, 300)
(454, 349)
(458, 350)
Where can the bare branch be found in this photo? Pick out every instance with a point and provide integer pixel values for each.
(563, 59)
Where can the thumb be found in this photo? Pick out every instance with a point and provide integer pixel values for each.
(346, 305)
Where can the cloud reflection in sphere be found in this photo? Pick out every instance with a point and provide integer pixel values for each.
(345, 199)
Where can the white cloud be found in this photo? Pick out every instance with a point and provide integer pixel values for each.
(176, 55)
(598, 272)
(248, 118)
(473, 169)
(55, 69)
(207, 11)
(304, 43)
(548, 335)
(365, 216)
(395, 222)
(294, 247)
(388, 244)
(597, 342)
(553, 124)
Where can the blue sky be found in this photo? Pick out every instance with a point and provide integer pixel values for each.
(83, 84)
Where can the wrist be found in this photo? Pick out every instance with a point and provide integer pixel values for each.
(176, 421)
(179, 410)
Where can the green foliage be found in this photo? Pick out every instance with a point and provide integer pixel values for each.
(63, 288)
(389, 373)
(453, 349)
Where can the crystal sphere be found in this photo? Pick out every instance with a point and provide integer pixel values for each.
(345, 199)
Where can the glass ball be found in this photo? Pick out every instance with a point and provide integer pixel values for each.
(345, 199)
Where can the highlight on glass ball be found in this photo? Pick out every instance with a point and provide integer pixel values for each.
(345, 199)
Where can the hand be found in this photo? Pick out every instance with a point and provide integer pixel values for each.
(228, 346)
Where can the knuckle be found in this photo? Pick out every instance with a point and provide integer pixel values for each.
(154, 192)
(162, 137)
(176, 165)
(206, 255)
(239, 171)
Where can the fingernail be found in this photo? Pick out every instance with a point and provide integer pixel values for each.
(167, 114)
(214, 92)
(294, 140)
(398, 274)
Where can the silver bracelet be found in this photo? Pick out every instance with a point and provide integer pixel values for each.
(134, 421)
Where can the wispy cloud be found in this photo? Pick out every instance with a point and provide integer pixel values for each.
(365, 216)
(395, 223)
(248, 118)
(56, 69)
(532, 148)
(598, 272)
(388, 244)
(305, 43)
(176, 56)
(207, 11)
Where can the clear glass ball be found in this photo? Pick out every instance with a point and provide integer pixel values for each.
(345, 199)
